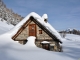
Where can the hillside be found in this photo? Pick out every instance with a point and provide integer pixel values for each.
(71, 31)
(4, 27)
(8, 14)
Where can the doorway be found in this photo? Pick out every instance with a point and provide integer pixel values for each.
(32, 30)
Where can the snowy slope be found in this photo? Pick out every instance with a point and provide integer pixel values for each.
(4, 27)
(11, 50)
(73, 37)
(71, 46)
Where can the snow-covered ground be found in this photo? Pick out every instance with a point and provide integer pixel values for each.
(71, 46)
(4, 27)
(73, 37)
(10, 50)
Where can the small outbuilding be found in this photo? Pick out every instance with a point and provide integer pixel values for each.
(35, 25)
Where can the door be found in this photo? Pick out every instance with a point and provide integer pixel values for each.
(45, 46)
(32, 30)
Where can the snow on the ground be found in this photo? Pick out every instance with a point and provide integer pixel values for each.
(71, 46)
(4, 27)
(11, 50)
(31, 41)
(73, 37)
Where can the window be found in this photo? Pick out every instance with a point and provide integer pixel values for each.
(40, 31)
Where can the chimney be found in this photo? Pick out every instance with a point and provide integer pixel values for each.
(45, 18)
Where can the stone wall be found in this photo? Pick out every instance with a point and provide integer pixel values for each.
(43, 35)
(25, 33)
(40, 37)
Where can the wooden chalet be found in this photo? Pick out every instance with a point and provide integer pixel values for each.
(32, 27)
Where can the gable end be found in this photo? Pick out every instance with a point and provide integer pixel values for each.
(40, 25)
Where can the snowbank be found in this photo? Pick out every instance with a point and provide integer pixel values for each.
(11, 50)
(31, 41)
(4, 27)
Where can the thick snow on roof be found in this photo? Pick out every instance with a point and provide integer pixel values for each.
(39, 19)
(45, 16)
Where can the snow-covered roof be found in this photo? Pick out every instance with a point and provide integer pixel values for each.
(45, 42)
(39, 19)
(45, 16)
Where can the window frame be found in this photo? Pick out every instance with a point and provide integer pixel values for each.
(40, 31)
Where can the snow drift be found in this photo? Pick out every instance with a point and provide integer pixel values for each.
(4, 27)
(11, 50)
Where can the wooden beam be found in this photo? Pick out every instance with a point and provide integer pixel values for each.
(47, 31)
(21, 29)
